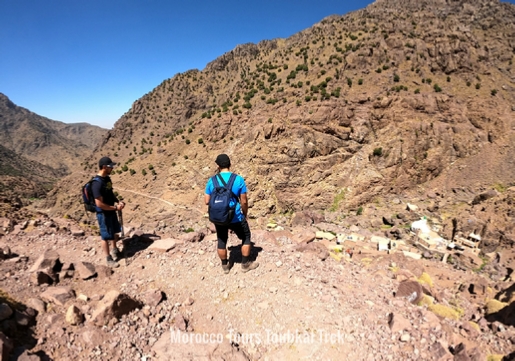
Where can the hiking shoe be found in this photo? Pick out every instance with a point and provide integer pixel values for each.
(226, 267)
(116, 254)
(245, 267)
(111, 263)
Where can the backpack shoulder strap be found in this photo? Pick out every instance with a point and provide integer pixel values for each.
(214, 179)
(219, 176)
(232, 178)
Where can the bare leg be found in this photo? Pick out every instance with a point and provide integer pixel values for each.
(222, 253)
(105, 247)
(245, 250)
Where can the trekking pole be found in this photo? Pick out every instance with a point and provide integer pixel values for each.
(124, 243)
(120, 218)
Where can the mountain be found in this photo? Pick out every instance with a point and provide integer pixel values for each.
(55, 144)
(397, 101)
(36, 151)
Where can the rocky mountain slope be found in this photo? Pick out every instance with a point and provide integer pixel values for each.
(36, 151)
(398, 98)
(49, 142)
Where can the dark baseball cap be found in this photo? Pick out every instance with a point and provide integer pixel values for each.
(223, 161)
(106, 161)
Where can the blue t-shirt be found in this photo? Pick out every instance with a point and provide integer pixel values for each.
(238, 188)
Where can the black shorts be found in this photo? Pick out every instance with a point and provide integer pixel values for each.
(241, 229)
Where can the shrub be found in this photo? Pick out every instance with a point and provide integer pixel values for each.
(493, 92)
(144, 172)
(150, 167)
(188, 141)
(437, 88)
(377, 152)
(396, 78)
(349, 82)
(360, 81)
(359, 212)
(200, 140)
(132, 171)
(478, 85)
(125, 168)
(417, 91)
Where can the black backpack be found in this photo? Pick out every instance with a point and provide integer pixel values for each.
(219, 209)
(87, 195)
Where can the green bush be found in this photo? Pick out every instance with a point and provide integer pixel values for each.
(125, 168)
(188, 141)
(360, 81)
(144, 172)
(478, 85)
(437, 88)
(396, 78)
(417, 91)
(359, 212)
(132, 171)
(378, 152)
(150, 167)
(493, 92)
(200, 140)
(349, 82)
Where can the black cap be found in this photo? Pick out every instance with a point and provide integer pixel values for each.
(223, 161)
(106, 161)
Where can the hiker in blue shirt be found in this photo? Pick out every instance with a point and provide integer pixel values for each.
(238, 224)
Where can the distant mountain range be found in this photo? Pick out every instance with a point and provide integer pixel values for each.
(35, 151)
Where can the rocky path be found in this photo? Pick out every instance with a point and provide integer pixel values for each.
(300, 304)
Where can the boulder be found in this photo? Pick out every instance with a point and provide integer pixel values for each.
(398, 323)
(410, 290)
(103, 271)
(114, 304)
(74, 315)
(305, 236)
(58, 295)
(163, 245)
(484, 196)
(42, 277)
(153, 297)
(192, 237)
(37, 304)
(49, 259)
(25, 318)
(86, 270)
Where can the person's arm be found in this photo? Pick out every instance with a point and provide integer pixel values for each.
(207, 197)
(99, 202)
(244, 204)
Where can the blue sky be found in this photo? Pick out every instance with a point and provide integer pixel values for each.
(88, 60)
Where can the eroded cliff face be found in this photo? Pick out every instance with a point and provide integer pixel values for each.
(395, 100)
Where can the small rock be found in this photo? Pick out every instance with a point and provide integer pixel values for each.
(405, 337)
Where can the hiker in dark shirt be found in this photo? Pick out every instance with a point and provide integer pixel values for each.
(106, 205)
(239, 224)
